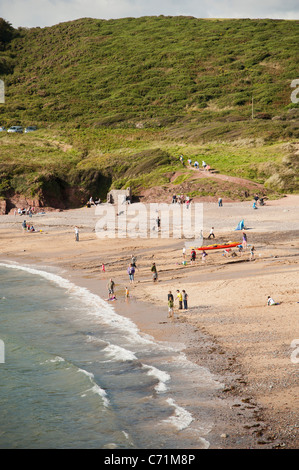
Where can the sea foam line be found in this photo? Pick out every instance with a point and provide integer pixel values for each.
(181, 419)
(99, 307)
(162, 377)
(95, 387)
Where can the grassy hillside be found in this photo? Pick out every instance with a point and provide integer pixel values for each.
(118, 101)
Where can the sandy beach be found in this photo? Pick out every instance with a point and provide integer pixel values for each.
(250, 347)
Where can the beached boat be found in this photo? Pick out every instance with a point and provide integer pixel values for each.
(219, 247)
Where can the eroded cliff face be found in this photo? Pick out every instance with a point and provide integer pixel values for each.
(70, 198)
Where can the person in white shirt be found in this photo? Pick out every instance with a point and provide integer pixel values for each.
(211, 233)
(270, 301)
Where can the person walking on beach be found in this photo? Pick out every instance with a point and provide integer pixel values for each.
(220, 202)
(133, 261)
(110, 286)
(180, 299)
(185, 299)
(170, 304)
(76, 233)
(252, 253)
(154, 271)
(193, 256)
(131, 272)
(211, 233)
(244, 240)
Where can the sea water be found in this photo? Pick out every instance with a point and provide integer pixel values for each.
(76, 374)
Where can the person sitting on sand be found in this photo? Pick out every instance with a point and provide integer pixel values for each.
(112, 298)
(270, 301)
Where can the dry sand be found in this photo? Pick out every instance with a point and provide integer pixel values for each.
(228, 327)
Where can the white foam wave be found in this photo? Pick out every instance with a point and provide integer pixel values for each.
(95, 388)
(99, 391)
(89, 374)
(118, 353)
(162, 377)
(181, 418)
(96, 305)
(55, 360)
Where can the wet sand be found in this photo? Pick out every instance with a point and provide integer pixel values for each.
(228, 327)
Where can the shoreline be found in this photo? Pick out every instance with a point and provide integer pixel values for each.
(248, 421)
(238, 419)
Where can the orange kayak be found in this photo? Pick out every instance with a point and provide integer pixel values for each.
(219, 247)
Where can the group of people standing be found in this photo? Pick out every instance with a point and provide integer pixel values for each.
(181, 298)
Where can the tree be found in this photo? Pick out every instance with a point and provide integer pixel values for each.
(6, 32)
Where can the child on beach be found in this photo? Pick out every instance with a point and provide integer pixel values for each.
(103, 268)
(127, 293)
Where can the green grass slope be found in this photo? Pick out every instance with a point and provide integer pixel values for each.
(118, 101)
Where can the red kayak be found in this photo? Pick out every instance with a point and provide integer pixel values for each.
(219, 247)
